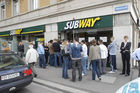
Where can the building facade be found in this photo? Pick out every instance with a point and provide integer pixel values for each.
(38, 20)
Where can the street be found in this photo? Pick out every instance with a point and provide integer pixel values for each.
(37, 88)
(50, 81)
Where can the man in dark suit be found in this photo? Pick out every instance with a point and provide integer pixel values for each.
(125, 52)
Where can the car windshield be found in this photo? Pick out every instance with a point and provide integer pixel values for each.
(10, 62)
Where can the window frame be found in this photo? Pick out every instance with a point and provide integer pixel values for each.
(34, 6)
(13, 9)
(1, 4)
(3, 14)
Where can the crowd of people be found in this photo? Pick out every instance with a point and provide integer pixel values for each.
(80, 56)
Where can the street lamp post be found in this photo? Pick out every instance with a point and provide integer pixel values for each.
(73, 33)
(73, 29)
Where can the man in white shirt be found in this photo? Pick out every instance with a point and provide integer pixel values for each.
(84, 57)
(104, 55)
(31, 58)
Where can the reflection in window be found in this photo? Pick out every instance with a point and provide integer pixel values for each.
(10, 61)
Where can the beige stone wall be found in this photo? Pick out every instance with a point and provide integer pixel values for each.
(9, 9)
(23, 6)
(44, 3)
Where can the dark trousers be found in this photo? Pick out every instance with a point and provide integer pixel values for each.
(95, 69)
(31, 65)
(47, 57)
(70, 63)
(65, 67)
(51, 59)
(42, 61)
(126, 63)
(139, 69)
(76, 64)
(113, 62)
(57, 55)
(21, 54)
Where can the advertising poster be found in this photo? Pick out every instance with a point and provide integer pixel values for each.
(104, 39)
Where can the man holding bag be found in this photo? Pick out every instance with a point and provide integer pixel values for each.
(31, 58)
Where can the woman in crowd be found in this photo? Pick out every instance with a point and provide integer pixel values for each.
(65, 54)
(94, 56)
(51, 51)
(46, 53)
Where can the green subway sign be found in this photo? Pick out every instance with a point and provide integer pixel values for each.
(94, 22)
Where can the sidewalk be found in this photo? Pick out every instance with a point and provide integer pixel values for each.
(109, 83)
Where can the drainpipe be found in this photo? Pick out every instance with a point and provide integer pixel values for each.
(134, 4)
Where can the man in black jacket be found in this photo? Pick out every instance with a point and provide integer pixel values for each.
(57, 55)
(125, 52)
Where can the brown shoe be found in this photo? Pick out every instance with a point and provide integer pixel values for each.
(100, 78)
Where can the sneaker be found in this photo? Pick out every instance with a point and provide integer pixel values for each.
(116, 70)
(127, 75)
(111, 72)
(83, 74)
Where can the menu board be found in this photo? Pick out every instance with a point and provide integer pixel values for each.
(80, 39)
(104, 39)
(90, 39)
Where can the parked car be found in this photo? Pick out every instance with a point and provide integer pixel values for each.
(130, 87)
(14, 73)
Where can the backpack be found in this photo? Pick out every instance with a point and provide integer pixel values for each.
(64, 53)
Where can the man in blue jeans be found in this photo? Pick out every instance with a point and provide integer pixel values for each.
(75, 53)
(112, 51)
(41, 52)
(57, 54)
(84, 58)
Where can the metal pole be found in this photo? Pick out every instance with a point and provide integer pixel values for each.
(73, 34)
(73, 29)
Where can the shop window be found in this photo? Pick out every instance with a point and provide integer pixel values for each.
(3, 12)
(34, 4)
(15, 7)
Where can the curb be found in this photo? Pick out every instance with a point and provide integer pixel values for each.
(59, 87)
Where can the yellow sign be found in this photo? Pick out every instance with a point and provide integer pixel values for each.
(41, 39)
(83, 23)
(18, 31)
(88, 22)
(15, 32)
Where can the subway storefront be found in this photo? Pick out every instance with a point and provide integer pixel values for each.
(100, 27)
(33, 34)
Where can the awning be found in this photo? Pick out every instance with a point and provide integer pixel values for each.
(6, 33)
(35, 29)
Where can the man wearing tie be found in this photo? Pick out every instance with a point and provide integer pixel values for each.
(125, 52)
